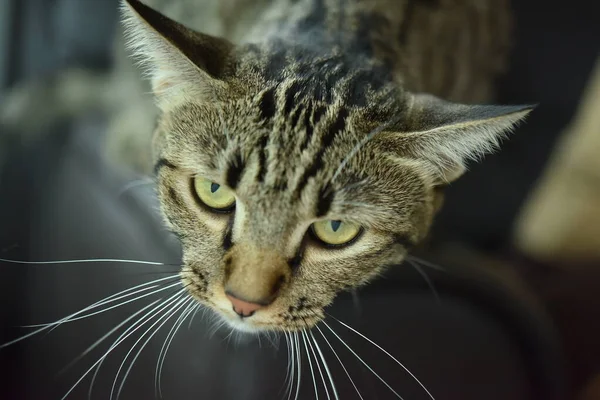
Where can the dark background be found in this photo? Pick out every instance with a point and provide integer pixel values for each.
(58, 200)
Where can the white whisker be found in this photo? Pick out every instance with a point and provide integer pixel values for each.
(426, 278)
(165, 348)
(139, 323)
(68, 318)
(274, 341)
(292, 362)
(386, 353)
(164, 310)
(91, 260)
(134, 184)
(287, 369)
(166, 316)
(426, 263)
(310, 364)
(117, 305)
(259, 341)
(358, 146)
(341, 363)
(108, 334)
(325, 366)
(298, 364)
(318, 365)
(363, 362)
(121, 338)
(196, 309)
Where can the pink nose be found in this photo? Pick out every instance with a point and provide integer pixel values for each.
(243, 308)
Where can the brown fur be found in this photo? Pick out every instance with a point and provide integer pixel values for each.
(315, 114)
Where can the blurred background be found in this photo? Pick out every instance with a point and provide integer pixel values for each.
(514, 257)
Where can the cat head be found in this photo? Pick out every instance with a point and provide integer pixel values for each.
(291, 175)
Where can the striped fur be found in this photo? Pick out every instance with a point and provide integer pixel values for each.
(312, 110)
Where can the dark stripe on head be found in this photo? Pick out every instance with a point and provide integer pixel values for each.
(234, 171)
(326, 196)
(262, 158)
(275, 65)
(267, 105)
(175, 197)
(296, 117)
(290, 97)
(163, 163)
(318, 113)
(338, 125)
(326, 140)
(227, 238)
(308, 127)
(295, 262)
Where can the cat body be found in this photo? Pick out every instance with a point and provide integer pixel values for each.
(301, 146)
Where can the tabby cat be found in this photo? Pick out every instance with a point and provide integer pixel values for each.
(301, 146)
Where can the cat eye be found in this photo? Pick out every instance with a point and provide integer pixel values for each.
(335, 233)
(215, 196)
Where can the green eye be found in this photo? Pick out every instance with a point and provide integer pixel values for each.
(335, 232)
(214, 195)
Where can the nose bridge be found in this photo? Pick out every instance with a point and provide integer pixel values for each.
(255, 274)
(266, 226)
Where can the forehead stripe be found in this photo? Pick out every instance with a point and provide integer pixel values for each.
(235, 171)
(163, 162)
(327, 138)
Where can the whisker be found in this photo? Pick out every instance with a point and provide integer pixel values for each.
(103, 338)
(135, 184)
(341, 363)
(318, 365)
(287, 369)
(274, 342)
(292, 362)
(359, 145)
(257, 336)
(426, 263)
(312, 372)
(362, 361)
(426, 278)
(167, 316)
(174, 271)
(174, 299)
(325, 366)
(196, 309)
(88, 308)
(168, 340)
(128, 332)
(298, 364)
(82, 261)
(55, 325)
(386, 353)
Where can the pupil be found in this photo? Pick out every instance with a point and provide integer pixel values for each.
(335, 225)
(214, 187)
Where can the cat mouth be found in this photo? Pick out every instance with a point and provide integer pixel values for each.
(297, 317)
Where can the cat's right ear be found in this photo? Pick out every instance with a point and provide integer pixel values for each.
(182, 64)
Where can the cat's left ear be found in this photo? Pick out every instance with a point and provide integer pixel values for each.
(182, 64)
(448, 135)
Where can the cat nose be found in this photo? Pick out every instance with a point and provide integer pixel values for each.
(243, 308)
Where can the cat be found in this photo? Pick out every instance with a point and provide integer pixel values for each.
(305, 149)
(300, 146)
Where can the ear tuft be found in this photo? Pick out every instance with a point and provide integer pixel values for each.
(180, 62)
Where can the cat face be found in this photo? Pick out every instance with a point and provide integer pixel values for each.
(288, 184)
